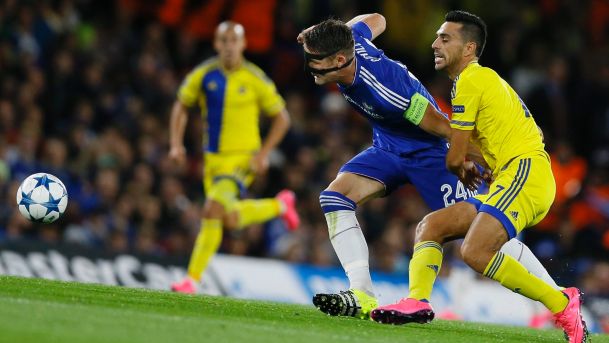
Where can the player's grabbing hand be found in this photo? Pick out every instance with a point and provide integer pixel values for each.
(470, 176)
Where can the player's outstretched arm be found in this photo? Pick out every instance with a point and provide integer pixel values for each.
(376, 22)
(455, 159)
(177, 126)
(475, 154)
(459, 145)
(434, 122)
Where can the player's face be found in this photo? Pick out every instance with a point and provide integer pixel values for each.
(448, 46)
(229, 45)
(326, 63)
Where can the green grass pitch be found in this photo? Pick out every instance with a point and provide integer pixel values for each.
(36, 310)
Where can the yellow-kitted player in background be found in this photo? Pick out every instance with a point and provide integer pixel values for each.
(232, 93)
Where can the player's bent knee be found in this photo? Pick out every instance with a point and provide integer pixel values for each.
(429, 229)
(474, 256)
(231, 221)
(357, 188)
(338, 185)
(213, 209)
(470, 256)
(224, 192)
(421, 233)
(466, 252)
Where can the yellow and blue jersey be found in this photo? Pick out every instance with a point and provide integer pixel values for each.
(231, 103)
(504, 130)
(503, 126)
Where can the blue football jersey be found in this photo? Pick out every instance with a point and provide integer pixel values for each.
(381, 92)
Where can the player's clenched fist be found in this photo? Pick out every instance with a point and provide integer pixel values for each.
(177, 154)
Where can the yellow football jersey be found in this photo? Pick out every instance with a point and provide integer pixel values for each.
(231, 103)
(503, 127)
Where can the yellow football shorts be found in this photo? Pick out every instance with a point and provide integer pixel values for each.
(521, 194)
(234, 166)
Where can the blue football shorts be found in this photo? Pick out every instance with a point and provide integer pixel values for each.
(426, 170)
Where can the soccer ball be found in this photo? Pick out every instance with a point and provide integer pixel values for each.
(42, 198)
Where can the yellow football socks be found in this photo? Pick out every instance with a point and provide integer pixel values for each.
(257, 211)
(515, 276)
(424, 268)
(207, 244)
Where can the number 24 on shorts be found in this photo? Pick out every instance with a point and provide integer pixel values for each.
(461, 193)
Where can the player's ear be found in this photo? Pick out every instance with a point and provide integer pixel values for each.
(216, 43)
(341, 59)
(243, 43)
(470, 48)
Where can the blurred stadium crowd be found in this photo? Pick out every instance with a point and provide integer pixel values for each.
(86, 88)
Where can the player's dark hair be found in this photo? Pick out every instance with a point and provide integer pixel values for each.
(474, 28)
(329, 36)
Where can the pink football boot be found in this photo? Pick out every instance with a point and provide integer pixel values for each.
(407, 310)
(186, 286)
(570, 319)
(290, 216)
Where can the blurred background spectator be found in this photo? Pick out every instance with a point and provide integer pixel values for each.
(86, 88)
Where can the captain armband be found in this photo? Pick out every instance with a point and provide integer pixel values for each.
(416, 110)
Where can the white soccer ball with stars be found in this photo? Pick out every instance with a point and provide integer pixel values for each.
(42, 198)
